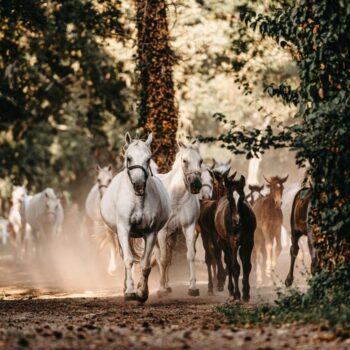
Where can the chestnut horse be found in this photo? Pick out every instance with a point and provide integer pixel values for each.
(269, 225)
(299, 227)
(235, 224)
(206, 226)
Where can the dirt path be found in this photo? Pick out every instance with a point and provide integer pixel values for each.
(109, 323)
(78, 306)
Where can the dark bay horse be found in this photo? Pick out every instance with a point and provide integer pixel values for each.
(269, 225)
(235, 224)
(299, 227)
(206, 227)
(251, 197)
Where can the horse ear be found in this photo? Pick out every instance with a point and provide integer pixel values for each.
(46, 194)
(109, 167)
(242, 181)
(261, 188)
(284, 179)
(268, 181)
(149, 139)
(250, 187)
(181, 144)
(127, 139)
(232, 177)
(97, 168)
(227, 172)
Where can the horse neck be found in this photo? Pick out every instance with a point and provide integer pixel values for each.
(17, 205)
(177, 187)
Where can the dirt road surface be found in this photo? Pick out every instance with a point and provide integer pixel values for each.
(37, 312)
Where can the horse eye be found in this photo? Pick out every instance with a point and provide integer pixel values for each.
(185, 161)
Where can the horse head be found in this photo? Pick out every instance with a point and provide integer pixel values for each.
(207, 183)
(18, 195)
(104, 178)
(275, 183)
(255, 193)
(190, 161)
(235, 194)
(51, 205)
(137, 162)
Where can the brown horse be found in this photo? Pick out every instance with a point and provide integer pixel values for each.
(206, 226)
(299, 227)
(269, 224)
(251, 198)
(235, 224)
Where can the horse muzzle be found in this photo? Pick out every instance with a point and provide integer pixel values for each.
(139, 189)
(195, 185)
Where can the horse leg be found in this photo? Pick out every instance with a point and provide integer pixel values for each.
(112, 265)
(259, 255)
(294, 249)
(269, 251)
(123, 236)
(208, 260)
(171, 242)
(312, 252)
(161, 256)
(142, 287)
(190, 236)
(278, 248)
(228, 262)
(245, 254)
(220, 267)
(236, 270)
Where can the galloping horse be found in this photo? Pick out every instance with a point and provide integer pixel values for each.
(269, 224)
(44, 214)
(136, 205)
(254, 194)
(235, 224)
(16, 226)
(206, 227)
(92, 208)
(183, 183)
(299, 227)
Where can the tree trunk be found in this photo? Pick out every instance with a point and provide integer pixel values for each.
(157, 109)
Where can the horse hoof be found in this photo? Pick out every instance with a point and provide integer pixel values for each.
(246, 299)
(141, 298)
(288, 281)
(168, 289)
(193, 292)
(210, 292)
(129, 296)
(220, 288)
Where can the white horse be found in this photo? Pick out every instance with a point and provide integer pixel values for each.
(221, 167)
(183, 184)
(16, 219)
(207, 177)
(44, 214)
(92, 208)
(136, 204)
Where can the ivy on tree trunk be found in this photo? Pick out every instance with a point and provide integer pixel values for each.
(158, 113)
